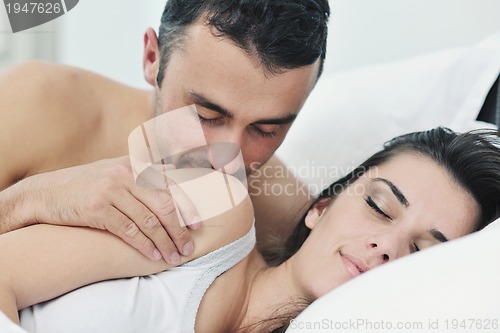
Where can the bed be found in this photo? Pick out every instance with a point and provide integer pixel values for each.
(452, 287)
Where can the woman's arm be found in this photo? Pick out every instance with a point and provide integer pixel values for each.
(8, 302)
(41, 262)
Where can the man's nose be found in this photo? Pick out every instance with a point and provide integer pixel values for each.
(226, 156)
(231, 133)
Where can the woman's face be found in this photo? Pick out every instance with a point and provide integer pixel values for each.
(405, 205)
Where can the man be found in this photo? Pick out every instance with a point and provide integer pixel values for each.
(248, 65)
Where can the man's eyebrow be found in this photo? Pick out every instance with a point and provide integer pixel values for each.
(278, 121)
(438, 235)
(204, 102)
(399, 195)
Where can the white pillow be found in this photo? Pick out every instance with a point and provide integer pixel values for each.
(350, 115)
(452, 287)
(7, 326)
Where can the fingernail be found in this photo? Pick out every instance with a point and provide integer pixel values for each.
(195, 223)
(175, 258)
(156, 254)
(187, 249)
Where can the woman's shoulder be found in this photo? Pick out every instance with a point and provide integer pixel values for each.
(222, 203)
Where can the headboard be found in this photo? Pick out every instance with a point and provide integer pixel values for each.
(490, 112)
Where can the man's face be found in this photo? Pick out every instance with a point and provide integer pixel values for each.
(237, 101)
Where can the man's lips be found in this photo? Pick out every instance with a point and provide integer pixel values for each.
(354, 265)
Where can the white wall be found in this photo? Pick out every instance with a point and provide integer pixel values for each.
(365, 32)
(107, 36)
(36, 43)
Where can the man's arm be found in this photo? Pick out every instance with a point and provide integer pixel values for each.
(52, 117)
(279, 199)
(21, 121)
(24, 137)
(101, 195)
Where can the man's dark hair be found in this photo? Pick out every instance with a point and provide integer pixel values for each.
(281, 34)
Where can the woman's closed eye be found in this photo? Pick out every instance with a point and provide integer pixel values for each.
(373, 205)
(415, 247)
(376, 208)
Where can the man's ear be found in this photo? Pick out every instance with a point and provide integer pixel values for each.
(151, 57)
(316, 211)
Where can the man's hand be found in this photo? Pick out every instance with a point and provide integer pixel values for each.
(104, 195)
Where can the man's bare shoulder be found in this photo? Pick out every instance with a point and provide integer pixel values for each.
(280, 200)
(50, 83)
(54, 110)
(39, 78)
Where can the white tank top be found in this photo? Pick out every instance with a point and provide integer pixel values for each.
(166, 302)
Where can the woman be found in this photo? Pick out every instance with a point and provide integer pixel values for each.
(395, 203)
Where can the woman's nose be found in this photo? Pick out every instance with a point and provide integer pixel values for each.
(382, 255)
(387, 247)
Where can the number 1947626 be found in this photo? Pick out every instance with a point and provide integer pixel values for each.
(34, 7)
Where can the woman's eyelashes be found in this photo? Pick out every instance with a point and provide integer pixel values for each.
(373, 205)
(415, 248)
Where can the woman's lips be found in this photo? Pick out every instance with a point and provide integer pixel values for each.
(354, 265)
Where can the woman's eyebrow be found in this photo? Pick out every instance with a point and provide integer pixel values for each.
(438, 235)
(399, 195)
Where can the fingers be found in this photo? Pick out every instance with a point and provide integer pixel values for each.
(164, 208)
(185, 206)
(143, 229)
(128, 231)
(149, 220)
